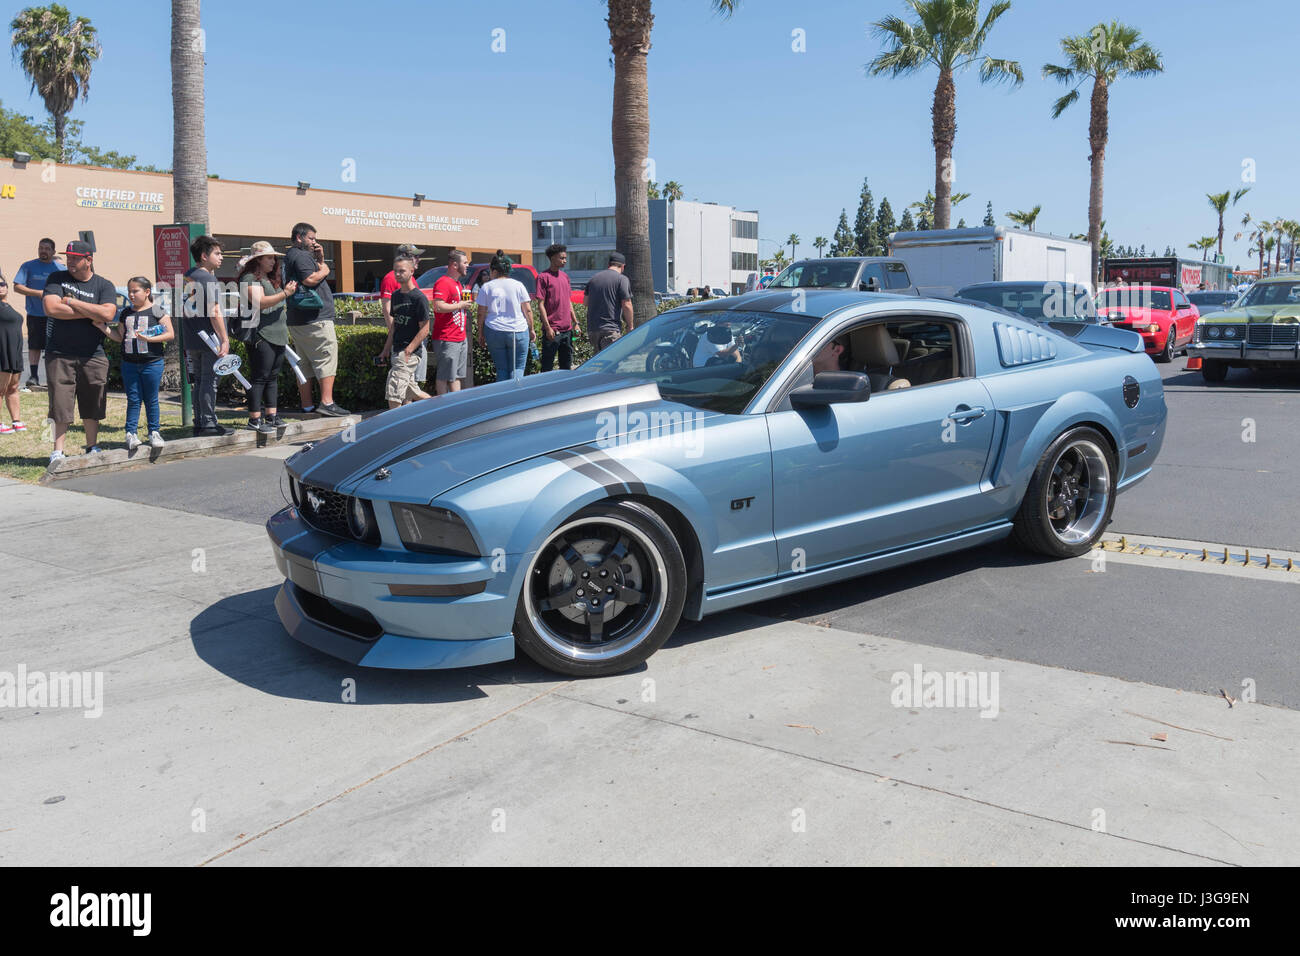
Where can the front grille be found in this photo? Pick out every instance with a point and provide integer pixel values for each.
(324, 510)
(1268, 334)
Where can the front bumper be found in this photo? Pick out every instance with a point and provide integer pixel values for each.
(338, 599)
(1242, 353)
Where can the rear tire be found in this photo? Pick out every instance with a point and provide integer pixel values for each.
(1214, 370)
(603, 593)
(1070, 497)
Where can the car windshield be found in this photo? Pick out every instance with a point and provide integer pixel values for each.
(1047, 300)
(1212, 298)
(1273, 293)
(715, 360)
(1134, 298)
(817, 274)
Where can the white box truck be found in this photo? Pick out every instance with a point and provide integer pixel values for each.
(941, 261)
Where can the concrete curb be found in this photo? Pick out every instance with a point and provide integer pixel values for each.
(119, 459)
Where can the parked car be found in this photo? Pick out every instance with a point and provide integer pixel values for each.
(863, 273)
(1162, 315)
(1260, 331)
(1211, 301)
(1052, 302)
(578, 516)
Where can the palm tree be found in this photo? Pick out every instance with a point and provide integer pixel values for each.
(1255, 230)
(1026, 217)
(948, 35)
(1220, 202)
(630, 23)
(1204, 244)
(925, 207)
(56, 52)
(1293, 237)
(189, 147)
(672, 190)
(793, 242)
(820, 243)
(1279, 233)
(1104, 54)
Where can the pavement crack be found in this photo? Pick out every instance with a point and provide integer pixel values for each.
(881, 777)
(384, 773)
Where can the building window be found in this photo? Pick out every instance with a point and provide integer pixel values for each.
(588, 260)
(744, 261)
(744, 229)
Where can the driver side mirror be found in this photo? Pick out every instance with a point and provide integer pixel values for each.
(871, 285)
(832, 388)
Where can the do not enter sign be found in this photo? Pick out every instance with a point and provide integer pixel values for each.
(171, 246)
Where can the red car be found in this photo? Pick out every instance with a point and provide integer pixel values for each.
(1164, 316)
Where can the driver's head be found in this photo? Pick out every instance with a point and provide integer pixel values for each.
(833, 356)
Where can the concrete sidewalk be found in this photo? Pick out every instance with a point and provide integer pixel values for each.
(745, 740)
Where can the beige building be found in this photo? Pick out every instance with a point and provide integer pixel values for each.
(359, 231)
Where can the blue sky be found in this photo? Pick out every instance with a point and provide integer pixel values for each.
(737, 116)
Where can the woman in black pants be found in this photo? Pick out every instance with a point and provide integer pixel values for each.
(262, 297)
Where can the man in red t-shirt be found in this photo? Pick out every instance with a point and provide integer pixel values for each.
(554, 298)
(450, 346)
(387, 286)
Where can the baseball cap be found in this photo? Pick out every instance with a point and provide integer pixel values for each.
(77, 248)
(407, 249)
(617, 257)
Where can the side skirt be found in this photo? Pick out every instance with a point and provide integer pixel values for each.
(792, 583)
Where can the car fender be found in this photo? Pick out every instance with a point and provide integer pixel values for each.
(1032, 428)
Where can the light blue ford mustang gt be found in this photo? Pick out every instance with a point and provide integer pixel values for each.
(723, 453)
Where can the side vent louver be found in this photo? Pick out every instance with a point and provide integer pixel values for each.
(1017, 346)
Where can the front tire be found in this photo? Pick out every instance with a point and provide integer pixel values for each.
(603, 593)
(1070, 497)
(1214, 370)
(1167, 354)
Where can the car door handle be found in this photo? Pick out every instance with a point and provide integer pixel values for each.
(964, 413)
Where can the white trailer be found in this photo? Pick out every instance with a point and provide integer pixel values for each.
(941, 261)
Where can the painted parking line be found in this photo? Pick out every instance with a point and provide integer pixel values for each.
(1262, 564)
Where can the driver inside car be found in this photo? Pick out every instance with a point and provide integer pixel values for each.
(836, 356)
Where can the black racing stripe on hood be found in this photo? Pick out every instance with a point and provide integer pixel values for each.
(620, 471)
(435, 415)
(640, 394)
(600, 476)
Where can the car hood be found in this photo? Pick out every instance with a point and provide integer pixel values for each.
(1260, 313)
(430, 446)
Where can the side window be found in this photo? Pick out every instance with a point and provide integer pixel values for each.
(1181, 300)
(896, 274)
(927, 350)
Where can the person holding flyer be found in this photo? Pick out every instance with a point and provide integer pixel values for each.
(144, 337)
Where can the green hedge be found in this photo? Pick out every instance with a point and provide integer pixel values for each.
(359, 384)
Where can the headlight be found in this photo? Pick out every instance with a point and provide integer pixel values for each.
(1153, 327)
(294, 493)
(1230, 333)
(436, 530)
(361, 521)
(1213, 331)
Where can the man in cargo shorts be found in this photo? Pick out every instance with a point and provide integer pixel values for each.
(78, 306)
(406, 334)
(311, 326)
(609, 304)
(450, 345)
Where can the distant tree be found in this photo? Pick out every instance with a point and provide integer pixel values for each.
(651, 190)
(885, 224)
(1220, 202)
(906, 224)
(820, 243)
(1026, 218)
(1142, 251)
(842, 243)
(988, 215)
(672, 190)
(864, 231)
(1204, 244)
(961, 223)
(56, 52)
(793, 242)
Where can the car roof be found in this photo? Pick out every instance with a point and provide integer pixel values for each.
(1023, 284)
(1281, 277)
(848, 259)
(1152, 288)
(812, 303)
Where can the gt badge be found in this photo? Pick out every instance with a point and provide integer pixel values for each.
(740, 504)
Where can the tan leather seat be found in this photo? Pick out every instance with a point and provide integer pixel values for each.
(875, 353)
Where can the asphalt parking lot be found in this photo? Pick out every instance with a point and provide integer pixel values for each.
(757, 736)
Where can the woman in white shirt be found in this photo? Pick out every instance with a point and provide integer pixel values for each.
(505, 319)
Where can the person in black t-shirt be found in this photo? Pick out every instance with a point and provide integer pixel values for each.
(410, 311)
(78, 306)
(11, 360)
(202, 304)
(142, 358)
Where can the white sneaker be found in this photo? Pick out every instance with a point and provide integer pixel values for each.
(132, 441)
(57, 456)
(156, 440)
(93, 450)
